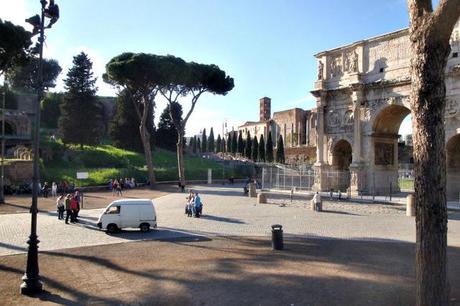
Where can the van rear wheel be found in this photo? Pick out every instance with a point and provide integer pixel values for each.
(145, 227)
(112, 228)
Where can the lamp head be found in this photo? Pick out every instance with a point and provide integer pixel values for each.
(52, 12)
(35, 22)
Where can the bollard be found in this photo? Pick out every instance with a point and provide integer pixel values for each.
(277, 237)
(410, 205)
(261, 198)
(252, 190)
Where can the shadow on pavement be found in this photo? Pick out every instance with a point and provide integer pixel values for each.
(222, 219)
(233, 271)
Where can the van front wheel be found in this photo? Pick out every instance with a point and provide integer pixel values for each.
(145, 227)
(112, 228)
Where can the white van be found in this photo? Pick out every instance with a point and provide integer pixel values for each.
(128, 213)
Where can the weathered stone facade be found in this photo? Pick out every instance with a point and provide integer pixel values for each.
(297, 127)
(362, 96)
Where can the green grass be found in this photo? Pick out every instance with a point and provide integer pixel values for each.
(406, 184)
(105, 162)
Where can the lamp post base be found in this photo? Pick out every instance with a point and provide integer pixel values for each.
(31, 286)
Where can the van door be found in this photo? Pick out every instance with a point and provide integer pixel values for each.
(112, 215)
(130, 215)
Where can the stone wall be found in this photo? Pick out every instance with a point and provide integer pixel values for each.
(17, 172)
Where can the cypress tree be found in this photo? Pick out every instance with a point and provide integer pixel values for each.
(228, 148)
(80, 121)
(248, 146)
(280, 151)
(218, 144)
(240, 143)
(204, 141)
(262, 148)
(255, 149)
(269, 148)
(234, 143)
(211, 147)
(194, 146)
(198, 145)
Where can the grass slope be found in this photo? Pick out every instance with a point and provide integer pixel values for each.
(105, 162)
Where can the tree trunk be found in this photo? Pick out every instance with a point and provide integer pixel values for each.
(180, 157)
(145, 137)
(429, 59)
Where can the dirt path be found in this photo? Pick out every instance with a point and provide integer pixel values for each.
(20, 204)
(226, 271)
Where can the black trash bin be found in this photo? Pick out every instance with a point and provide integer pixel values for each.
(277, 237)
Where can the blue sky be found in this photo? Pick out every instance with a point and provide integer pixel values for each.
(267, 46)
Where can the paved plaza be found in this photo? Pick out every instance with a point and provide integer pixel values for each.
(227, 213)
(349, 254)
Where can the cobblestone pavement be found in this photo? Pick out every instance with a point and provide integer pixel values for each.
(226, 213)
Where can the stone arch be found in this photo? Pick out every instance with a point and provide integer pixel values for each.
(389, 118)
(384, 145)
(453, 167)
(341, 155)
(10, 128)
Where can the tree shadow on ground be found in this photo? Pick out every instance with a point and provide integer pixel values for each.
(242, 271)
(222, 219)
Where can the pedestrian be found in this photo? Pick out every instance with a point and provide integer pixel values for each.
(68, 209)
(60, 207)
(45, 190)
(74, 208)
(54, 189)
(114, 187)
(340, 195)
(331, 193)
(188, 205)
(78, 198)
(119, 190)
(316, 201)
(197, 206)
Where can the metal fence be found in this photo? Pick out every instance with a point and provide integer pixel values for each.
(285, 178)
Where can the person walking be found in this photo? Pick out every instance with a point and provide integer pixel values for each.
(119, 189)
(60, 206)
(114, 187)
(45, 190)
(74, 208)
(54, 189)
(68, 209)
(77, 196)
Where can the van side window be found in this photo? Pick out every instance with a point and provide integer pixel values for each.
(114, 210)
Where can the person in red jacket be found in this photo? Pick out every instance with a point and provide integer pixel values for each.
(74, 208)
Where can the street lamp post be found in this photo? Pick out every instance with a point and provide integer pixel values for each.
(2, 165)
(31, 279)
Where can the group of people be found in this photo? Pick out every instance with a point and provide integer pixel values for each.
(64, 187)
(118, 185)
(69, 203)
(193, 205)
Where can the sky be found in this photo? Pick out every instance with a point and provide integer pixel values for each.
(267, 46)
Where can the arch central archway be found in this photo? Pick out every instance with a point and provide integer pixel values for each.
(341, 160)
(342, 155)
(385, 135)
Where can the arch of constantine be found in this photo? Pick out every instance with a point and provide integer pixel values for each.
(362, 96)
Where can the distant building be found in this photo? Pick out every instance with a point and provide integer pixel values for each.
(297, 127)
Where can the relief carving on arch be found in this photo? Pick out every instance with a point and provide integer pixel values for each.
(336, 66)
(351, 62)
(451, 107)
(333, 119)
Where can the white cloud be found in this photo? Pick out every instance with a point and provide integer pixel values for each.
(16, 12)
